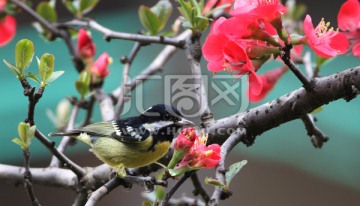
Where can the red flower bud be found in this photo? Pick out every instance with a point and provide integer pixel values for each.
(7, 29)
(86, 46)
(185, 140)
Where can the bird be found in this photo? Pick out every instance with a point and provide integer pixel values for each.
(134, 141)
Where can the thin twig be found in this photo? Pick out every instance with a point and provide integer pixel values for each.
(64, 160)
(228, 145)
(316, 135)
(199, 189)
(156, 65)
(62, 33)
(81, 198)
(127, 65)
(65, 140)
(110, 34)
(28, 178)
(175, 188)
(285, 56)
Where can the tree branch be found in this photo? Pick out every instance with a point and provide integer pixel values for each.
(175, 187)
(228, 145)
(106, 104)
(345, 84)
(193, 54)
(65, 140)
(199, 189)
(316, 135)
(110, 34)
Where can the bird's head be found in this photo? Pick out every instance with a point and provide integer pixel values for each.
(162, 116)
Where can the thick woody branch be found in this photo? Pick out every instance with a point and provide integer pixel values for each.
(193, 54)
(345, 84)
(106, 104)
(110, 34)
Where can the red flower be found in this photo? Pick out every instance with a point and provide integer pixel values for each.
(185, 139)
(200, 156)
(7, 26)
(216, 3)
(268, 10)
(325, 42)
(86, 46)
(222, 53)
(268, 80)
(349, 20)
(99, 68)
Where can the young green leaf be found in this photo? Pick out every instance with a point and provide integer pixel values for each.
(19, 142)
(83, 83)
(54, 76)
(163, 10)
(23, 130)
(46, 11)
(233, 170)
(149, 20)
(15, 70)
(46, 67)
(24, 52)
(70, 5)
(33, 77)
(87, 5)
(214, 182)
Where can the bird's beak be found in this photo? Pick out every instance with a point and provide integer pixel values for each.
(185, 123)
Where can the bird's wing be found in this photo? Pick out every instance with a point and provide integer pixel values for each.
(129, 130)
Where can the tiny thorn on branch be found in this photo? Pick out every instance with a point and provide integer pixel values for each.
(318, 138)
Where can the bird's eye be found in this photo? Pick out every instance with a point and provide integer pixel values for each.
(167, 117)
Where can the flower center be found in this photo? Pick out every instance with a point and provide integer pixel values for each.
(323, 28)
(208, 152)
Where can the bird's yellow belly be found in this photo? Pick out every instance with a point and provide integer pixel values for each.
(114, 153)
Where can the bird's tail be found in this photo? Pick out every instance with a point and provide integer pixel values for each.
(77, 134)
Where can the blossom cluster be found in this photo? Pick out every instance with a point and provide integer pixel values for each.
(191, 153)
(242, 43)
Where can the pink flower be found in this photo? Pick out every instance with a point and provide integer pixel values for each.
(7, 25)
(99, 68)
(85, 45)
(325, 42)
(349, 20)
(200, 156)
(222, 53)
(269, 80)
(268, 10)
(216, 3)
(185, 139)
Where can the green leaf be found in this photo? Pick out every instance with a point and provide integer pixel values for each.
(54, 76)
(83, 83)
(23, 130)
(19, 142)
(46, 67)
(33, 77)
(70, 5)
(214, 182)
(13, 69)
(46, 11)
(87, 5)
(317, 110)
(162, 10)
(146, 203)
(233, 170)
(24, 52)
(201, 23)
(149, 20)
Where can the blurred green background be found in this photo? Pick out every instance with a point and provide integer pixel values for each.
(288, 144)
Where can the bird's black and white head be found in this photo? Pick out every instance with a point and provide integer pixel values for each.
(161, 116)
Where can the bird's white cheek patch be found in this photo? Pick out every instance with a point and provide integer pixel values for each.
(155, 126)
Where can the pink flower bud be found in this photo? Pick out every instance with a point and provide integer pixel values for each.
(99, 68)
(86, 46)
